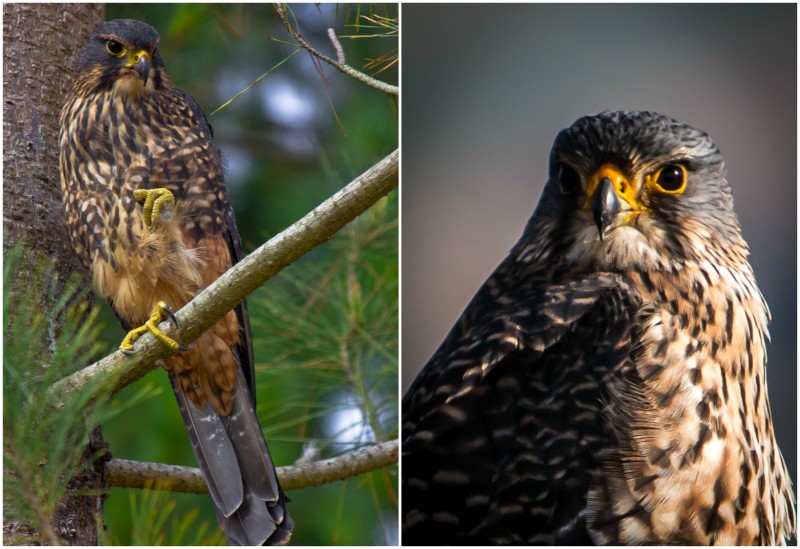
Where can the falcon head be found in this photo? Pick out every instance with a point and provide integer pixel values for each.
(122, 56)
(635, 190)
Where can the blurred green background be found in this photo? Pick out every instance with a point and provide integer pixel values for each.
(325, 330)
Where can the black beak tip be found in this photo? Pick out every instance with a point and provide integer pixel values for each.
(142, 68)
(600, 231)
(605, 206)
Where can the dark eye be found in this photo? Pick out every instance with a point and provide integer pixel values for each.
(115, 48)
(671, 179)
(568, 180)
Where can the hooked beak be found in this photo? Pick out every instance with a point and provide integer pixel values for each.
(609, 194)
(141, 64)
(605, 205)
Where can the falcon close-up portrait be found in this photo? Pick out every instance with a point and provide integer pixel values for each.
(607, 383)
(148, 214)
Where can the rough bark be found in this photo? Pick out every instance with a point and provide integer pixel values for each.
(40, 42)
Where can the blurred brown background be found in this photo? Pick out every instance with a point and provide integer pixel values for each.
(487, 87)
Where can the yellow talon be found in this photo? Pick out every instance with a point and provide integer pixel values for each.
(127, 344)
(160, 312)
(152, 201)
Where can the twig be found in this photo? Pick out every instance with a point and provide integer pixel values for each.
(346, 69)
(211, 304)
(177, 478)
(337, 46)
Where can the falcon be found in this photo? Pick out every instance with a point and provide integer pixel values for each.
(148, 214)
(607, 384)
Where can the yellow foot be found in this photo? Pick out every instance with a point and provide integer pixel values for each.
(153, 200)
(160, 312)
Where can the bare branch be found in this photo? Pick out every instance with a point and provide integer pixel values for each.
(337, 46)
(177, 478)
(346, 69)
(211, 304)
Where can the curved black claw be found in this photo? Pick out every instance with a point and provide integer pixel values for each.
(128, 352)
(171, 315)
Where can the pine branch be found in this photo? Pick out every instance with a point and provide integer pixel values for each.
(346, 69)
(126, 473)
(214, 302)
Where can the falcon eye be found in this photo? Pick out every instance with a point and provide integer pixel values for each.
(568, 180)
(671, 179)
(115, 48)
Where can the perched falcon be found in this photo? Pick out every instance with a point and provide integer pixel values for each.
(148, 214)
(607, 384)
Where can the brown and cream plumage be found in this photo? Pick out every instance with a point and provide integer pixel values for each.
(130, 140)
(607, 384)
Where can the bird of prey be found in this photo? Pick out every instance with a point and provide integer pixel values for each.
(148, 214)
(607, 383)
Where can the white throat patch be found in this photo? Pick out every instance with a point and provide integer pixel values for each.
(623, 248)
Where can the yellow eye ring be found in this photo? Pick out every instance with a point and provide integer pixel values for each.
(670, 179)
(115, 48)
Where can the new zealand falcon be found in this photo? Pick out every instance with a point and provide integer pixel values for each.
(148, 214)
(607, 384)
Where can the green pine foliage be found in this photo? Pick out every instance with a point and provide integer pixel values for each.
(47, 335)
(328, 329)
(326, 339)
(154, 524)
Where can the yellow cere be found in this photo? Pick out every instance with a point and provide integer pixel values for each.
(622, 186)
(138, 55)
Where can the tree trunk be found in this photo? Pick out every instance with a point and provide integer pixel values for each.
(40, 43)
